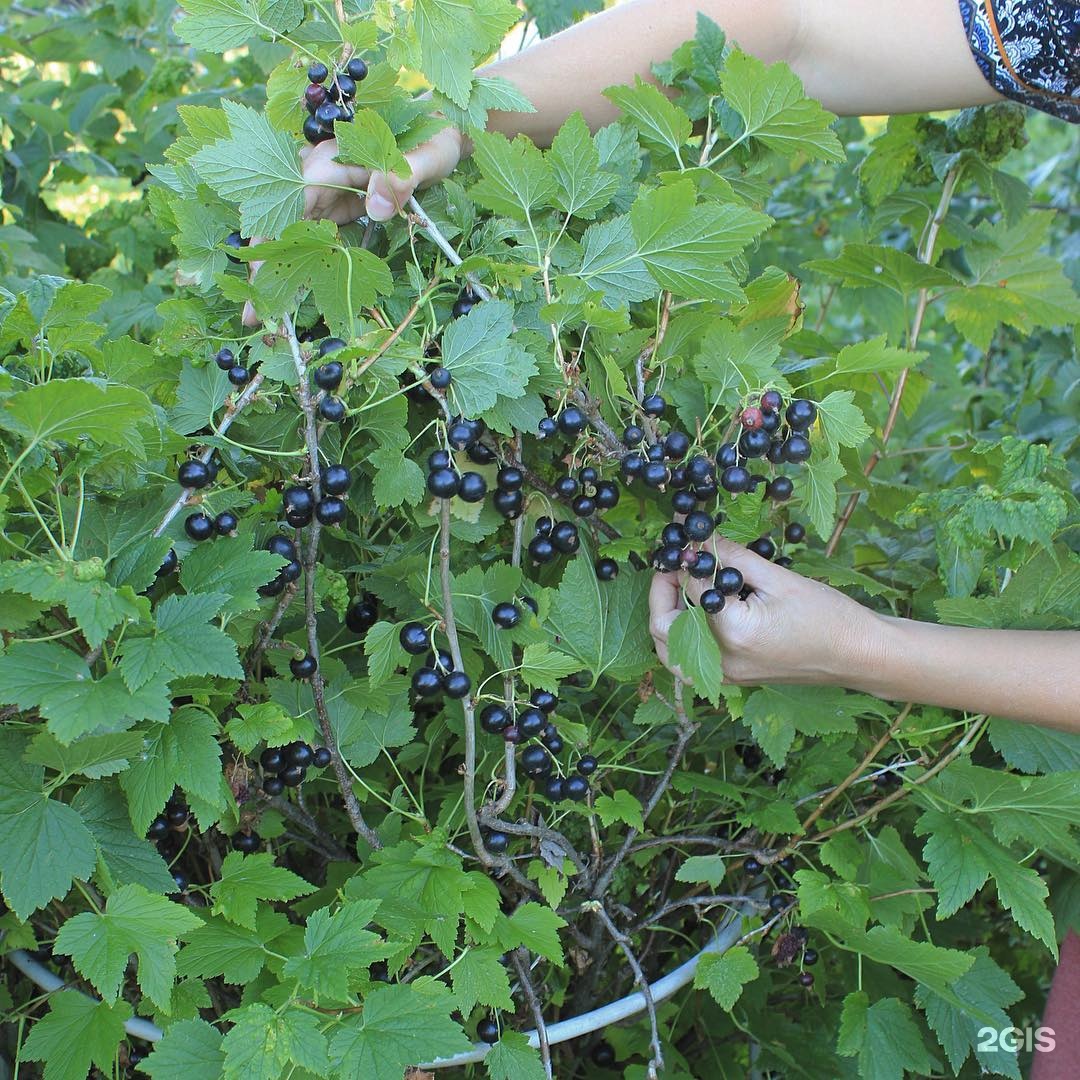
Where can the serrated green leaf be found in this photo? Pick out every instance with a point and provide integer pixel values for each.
(516, 180)
(702, 868)
(263, 1041)
(265, 722)
(581, 187)
(622, 806)
(189, 1050)
(819, 493)
(875, 355)
(335, 945)
(545, 667)
(480, 978)
(694, 650)
(398, 479)
(76, 1033)
(246, 879)
(725, 974)
(657, 120)
(884, 1036)
(231, 569)
(512, 1058)
(368, 141)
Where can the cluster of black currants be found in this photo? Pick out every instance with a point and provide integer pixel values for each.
(587, 493)
(281, 545)
(287, 766)
(537, 759)
(553, 538)
(193, 475)
(239, 374)
(781, 438)
(327, 378)
(330, 98)
(571, 422)
(437, 675)
(167, 831)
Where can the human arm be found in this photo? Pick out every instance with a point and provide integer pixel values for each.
(792, 629)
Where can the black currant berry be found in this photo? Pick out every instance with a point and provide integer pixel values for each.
(535, 760)
(322, 757)
(318, 72)
(554, 789)
(751, 418)
(508, 503)
(441, 662)
(271, 759)
(472, 487)
(735, 479)
(505, 615)
(572, 420)
(336, 479)
(544, 700)
(772, 400)
(292, 775)
(193, 474)
(607, 494)
(314, 132)
(770, 422)
(763, 546)
(565, 537)
(314, 96)
(199, 527)
(809, 957)
(676, 445)
(224, 359)
(530, 723)
(795, 533)
(426, 682)
(438, 459)
(700, 469)
(546, 428)
(583, 505)
(510, 478)
(607, 569)
(362, 614)
(682, 502)
(331, 511)
(632, 436)
(727, 456)
(655, 474)
(456, 684)
(779, 489)
(566, 487)
(801, 414)
(668, 557)
(705, 565)
(357, 69)
(797, 449)
(541, 549)
(554, 744)
(653, 405)
(303, 668)
(439, 377)
(248, 843)
(699, 526)
(226, 522)
(414, 638)
(487, 1030)
(328, 376)
(496, 843)
(465, 302)
(754, 444)
(712, 601)
(674, 533)
(806, 979)
(239, 375)
(632, 465)
(299, 500)
(576, 788)
(729, 580)
(346, 85)
(587, 765)
(603, 1055)
(159, 828)
(443, 483)
(327, 113)
(494, 719)
(332, 409)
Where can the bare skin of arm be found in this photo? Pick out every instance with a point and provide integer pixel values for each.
(795, 630)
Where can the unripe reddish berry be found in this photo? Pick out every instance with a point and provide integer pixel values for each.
(772, 400)
(751, 418)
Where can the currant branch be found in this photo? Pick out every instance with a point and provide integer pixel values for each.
(521, 966)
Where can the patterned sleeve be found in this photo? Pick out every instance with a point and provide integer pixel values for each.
(1029, 50)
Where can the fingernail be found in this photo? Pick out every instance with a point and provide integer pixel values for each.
(379, 207)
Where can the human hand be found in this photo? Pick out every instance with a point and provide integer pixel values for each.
(379, 195)
(790, 629)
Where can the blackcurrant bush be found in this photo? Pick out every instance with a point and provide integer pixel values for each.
(496, 843)
(712, 601)
(226, 522)
(426, 682)
(780, 488)
(318, 72)
(653, 405)
(633, 435)
(795, 533)
(328, 376)
(443, 483)
(607, 569)
(763, 546)
(729, 580)
(199, 527)
(797, 449)
(494, 719)
(336, 479)
(224, 359)
(510, 478)
(576, 788)
(248, 843)
(544, 700)
(505, 615)
(699, 526)
(456, 684)
(801, 414)
(357, 69)
(193, 474)
(735, 479)
(322, 757)
(332, 409)
(472, 488)
(303, 668)
(572, 420)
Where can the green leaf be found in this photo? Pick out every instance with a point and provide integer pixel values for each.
(611, 264)
(842, 422)
(875, 355)
(71, 410)
(190, 1050)
(76, 1033)
(336, 945)
(94, 756)
(263, 1041)
(400, 1026)
(516, 178)
(818, 892)
(480, 978)
(368, 721)
(512, 1058)
(231, 569)
(134, 921)
(725, 974)
(46, 843)
(603, 624)
(398, 479)
(258, 169)
(871, 266)
(486, 364)
(220, 25)
(247, 879)
(201, 393)
(694, 650)
(382, 647)
(368, 141)
(581, 187)
(537, 928)
(546, 667)
(702, 868)
(265, 722)
(884, 1036)
(1035, 749)
(217, 948)
(622, 806)
(775, 109)
(657, 120)
(687, 247)
(819, 493)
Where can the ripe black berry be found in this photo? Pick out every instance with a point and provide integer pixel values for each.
(607, 494)
(653, 405)
(328, 376)
(239, 375)
(511, 734)
(508, 503)
(496, 843)
(565, 537)
(318, 72)
(763, 546)
(587, 765)
(193, 474)
(795, 533)
(576, 788)
(303, 668)
(674, 533)
(314, 96)
(271, 758)
(735, 479)
(465, 302)
(443, 483)
(414, 638)
(655, 474)
(583, 505)
(505, 615)
(770, 422)
(357, 69)
(729, 580)
(541, 549)
(775, 453)
(336, 479)
(754, 444)
(327, 113)
(226, 522)
(299, 500)
(779, 488)
(331, 511)
(554, 743)
(426, 682)
(632, 465)
(676, 445)
(535, 760)
(778, 901)
(704, 566)
(248, 843)
(332, 409)
(487, 1030)
(199, 527)
(545, 701)
(668, 557)
(727, 456)
(346, 85)
(699, 526)
(510, 478)
(632, 435)
(801, 414)
(712, 601)
(530, 723)
(292, 775)
(700, 470)
(314, 132)
(607, 569)
(752, 866)
(682, 502)
(572, 420)
(603, 1055)
(566, 487)
(797, 449)
(322, 757)
(589, 475)
(806, 979)
(439, 377)
(809, 957)
(494, 719)
(554, 789)
(273, 785)
(224, 358)
(456, 684)
(472, 487)
(159, 828)
(546, 428)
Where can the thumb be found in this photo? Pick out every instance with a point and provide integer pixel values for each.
(431, 161)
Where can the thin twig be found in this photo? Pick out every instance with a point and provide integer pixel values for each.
(714, 900)
(620, 939)
(310, 561)
(266, 636)
(444, 245)
(522, 969)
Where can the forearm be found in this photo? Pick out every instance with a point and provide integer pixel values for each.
(856, 57)
(1027, 675)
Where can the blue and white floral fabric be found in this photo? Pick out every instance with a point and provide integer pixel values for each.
(1029, 50)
